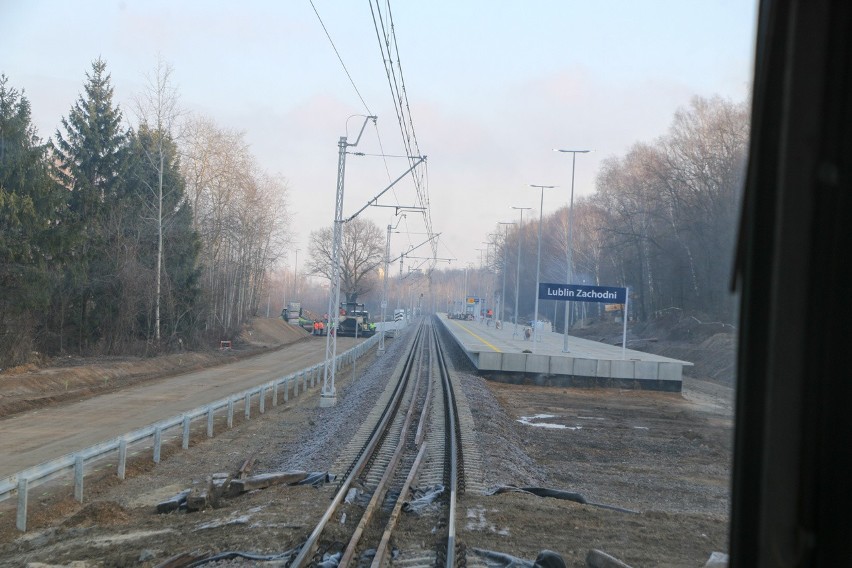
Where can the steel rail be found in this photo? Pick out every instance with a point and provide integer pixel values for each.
(451, 422)
(309, 547)
(382, 549)
(454, 460)
(421, 431)
(390, 469)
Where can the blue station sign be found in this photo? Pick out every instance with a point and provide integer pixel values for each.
(582, 293)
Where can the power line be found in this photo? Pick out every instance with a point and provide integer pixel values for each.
(340, 58)
(391, 83)
(368, 155)
(382, 35)
(418, 179)
(401, 76)
(400, 100)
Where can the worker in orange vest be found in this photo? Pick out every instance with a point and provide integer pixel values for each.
(321, 328)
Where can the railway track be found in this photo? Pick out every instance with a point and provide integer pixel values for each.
(414, 437)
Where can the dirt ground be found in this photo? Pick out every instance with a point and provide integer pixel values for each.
(67, 379)
(663, 457)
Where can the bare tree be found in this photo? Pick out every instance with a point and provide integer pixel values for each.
(662, 221)
(702, 164)
(628, 191)
(240, 213)
(671, 208)
(158, 111)
(361, 253)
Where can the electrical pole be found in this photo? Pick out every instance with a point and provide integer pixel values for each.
(385, 285)
(328, 396)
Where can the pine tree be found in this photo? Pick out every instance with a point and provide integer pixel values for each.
(92, 151)
(31, 206)
(92, 157)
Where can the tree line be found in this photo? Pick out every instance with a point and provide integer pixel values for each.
(662, 222)
(120, 239)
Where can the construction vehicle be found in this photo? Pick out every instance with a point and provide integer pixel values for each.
(355, 320)
(292, 312)
(295, 314)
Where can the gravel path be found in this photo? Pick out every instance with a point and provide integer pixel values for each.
(328, 430)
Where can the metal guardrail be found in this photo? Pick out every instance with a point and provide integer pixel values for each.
(20, 483)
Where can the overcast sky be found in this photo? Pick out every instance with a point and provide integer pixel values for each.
(493, 87)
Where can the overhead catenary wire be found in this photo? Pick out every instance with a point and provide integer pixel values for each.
(339, 58)
(382, 153)
(393, 69)
(419, 178)
(367, 154)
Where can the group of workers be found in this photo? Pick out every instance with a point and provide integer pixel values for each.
(319, 328)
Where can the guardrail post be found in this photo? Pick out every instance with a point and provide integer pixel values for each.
(78, 478)
(210, 421)
(23, 489)
(158, 440)
(185, 443)
(122, 458)
(312, 374)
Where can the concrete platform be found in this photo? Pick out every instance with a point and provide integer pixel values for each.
(496, 353)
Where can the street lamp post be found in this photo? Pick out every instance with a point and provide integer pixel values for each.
(489, 299)
(483, 300)
(518, 268)
(464, 301)
(505, 266)
(570, 237)
(538, 261)
(489, 262)
(295, 280)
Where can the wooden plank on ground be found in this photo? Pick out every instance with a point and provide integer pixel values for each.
(265, 480)
(173, 503)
